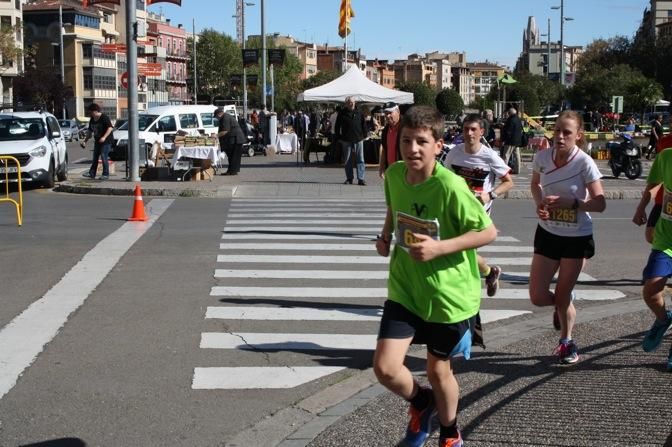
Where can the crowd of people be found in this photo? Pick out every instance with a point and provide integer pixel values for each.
(435, 272)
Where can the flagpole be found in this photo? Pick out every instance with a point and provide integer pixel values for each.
(347, 12)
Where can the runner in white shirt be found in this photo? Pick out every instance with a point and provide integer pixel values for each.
(565, 186)
(480, 166)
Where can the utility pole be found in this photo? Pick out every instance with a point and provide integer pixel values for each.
(562, 42)
(193, 29)
(548, 42)
(263, 56)
(132, 61)
(60, 35)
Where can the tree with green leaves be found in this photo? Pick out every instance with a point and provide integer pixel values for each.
(449, 102)
(423, 94)
(40, 88)
(217, 58)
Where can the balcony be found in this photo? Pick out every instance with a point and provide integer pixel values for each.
(178, 97)
(176, 78)
(176, 54)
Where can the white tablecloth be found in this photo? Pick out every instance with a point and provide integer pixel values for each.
(286, 143)
(201, 152)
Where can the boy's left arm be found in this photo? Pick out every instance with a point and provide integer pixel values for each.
(428, 248)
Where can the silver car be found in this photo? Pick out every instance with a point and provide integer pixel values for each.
(69, 129)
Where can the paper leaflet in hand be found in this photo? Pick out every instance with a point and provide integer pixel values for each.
(407, 225)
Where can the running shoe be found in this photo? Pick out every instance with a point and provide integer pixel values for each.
(420, 425)
(567, 353)
(669, 360)
(492, 280)
(655, 335)
(451, 442)
(104, 177)
(86, 175)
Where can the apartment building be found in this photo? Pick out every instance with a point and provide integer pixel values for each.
(463, 81)
(485, 75)
(380, 72)
(11, 15)
(333, 58)
(305, 52)
(658, 19)
(443, 67)
(415, 69)
(167, 46)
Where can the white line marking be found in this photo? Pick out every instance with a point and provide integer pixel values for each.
(294, 313)
(308, 200)
(509, 261)
(305, 292)
(490, 315)
(300, 259)
(282, 341)
(525, 276)
(280, 236)
(351, 247)
(270, 377)
(263, 219)
(307, 214)
(302, 274)
(22, 339)
(373, 229)
(588, 295)
(323, 314)
(270, 246)
(506, 239)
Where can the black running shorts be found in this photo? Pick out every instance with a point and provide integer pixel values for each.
(557, 247)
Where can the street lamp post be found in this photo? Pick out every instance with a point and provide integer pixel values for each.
(60, 37)
(242, 18)
(563, 19)
(263, 56)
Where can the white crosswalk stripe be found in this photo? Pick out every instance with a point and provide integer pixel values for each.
(312, 262)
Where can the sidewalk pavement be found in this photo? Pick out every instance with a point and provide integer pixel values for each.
(513, 393)
(282, 176)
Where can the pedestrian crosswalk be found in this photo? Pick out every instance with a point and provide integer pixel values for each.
(299, 281)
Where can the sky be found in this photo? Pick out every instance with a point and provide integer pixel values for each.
(392, 29)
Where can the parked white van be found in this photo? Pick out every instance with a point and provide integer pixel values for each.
(160, 124)
(36, 141)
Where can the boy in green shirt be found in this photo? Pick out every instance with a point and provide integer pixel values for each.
(434, 285)
(659, 266)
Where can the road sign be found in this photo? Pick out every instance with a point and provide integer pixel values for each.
(124, 80)
(617, 104)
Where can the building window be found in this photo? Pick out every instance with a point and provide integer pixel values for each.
(86, 21)
(88, 78)
(5, 23)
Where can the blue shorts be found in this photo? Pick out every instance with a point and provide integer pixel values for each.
(659, 265)
(443, 340)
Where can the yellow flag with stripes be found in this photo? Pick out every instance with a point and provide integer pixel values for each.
(344, 21)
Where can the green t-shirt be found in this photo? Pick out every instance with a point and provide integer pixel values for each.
(661, 172)
(446, 289)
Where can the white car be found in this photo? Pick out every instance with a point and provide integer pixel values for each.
(36, 141)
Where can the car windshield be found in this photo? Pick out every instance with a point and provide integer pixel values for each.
(15, 128)
(144, 121)
(64, 123)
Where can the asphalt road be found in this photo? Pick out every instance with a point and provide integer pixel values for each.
(121, 370)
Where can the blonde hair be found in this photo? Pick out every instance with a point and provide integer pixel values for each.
(578, 118)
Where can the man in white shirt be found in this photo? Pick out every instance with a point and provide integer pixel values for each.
(479, 165)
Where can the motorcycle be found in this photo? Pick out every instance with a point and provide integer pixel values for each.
(624, 157)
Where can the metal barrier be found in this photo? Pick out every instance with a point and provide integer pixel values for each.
(4, 167)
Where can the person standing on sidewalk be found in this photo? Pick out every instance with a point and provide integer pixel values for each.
(512, 139)
(434, 290)
(656, 134)
(565, 186)
(351, 131)
(389, 140)
(100, 128)
(231, 139)
(659, 266)
(479, 165)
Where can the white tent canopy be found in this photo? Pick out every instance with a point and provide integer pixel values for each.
(353, 83)
(662, 103)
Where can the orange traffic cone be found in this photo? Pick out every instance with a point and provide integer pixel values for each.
(138, 207)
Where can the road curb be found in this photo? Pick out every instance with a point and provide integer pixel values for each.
(318, 412)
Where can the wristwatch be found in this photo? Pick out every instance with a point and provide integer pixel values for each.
(493, 195)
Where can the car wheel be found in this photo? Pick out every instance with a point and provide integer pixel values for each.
(50, 182)
(63, 171)
(250, 151)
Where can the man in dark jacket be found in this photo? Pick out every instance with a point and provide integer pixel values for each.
(389, 148)
(351, 132)
(512, 139)
(231, 139)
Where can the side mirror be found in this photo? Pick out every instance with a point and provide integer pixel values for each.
(55, 134)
